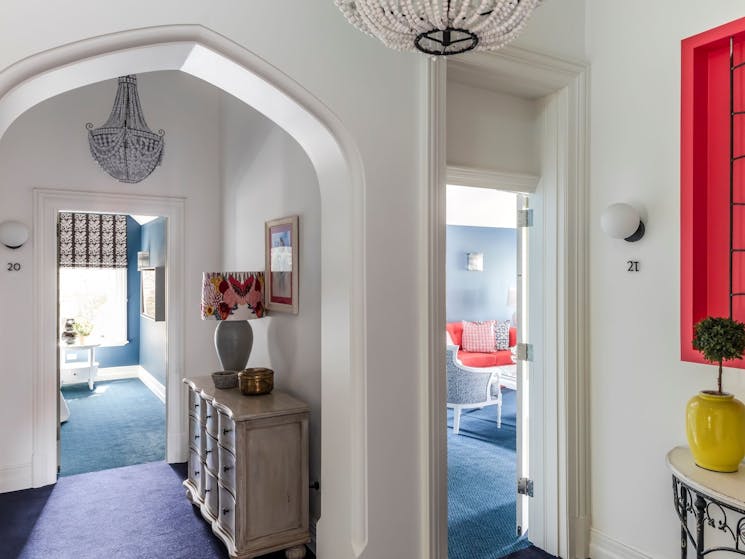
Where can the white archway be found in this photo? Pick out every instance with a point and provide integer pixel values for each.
(213, 58)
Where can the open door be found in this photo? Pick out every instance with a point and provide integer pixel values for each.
(523, 482)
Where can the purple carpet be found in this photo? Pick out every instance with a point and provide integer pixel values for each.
(125, 513)
(135, 512)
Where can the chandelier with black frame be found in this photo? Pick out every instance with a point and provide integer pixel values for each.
(440, 27)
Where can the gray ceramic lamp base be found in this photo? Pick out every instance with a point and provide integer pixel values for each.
(233, 342)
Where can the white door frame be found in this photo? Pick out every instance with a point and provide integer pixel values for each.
(563, 497)
(201, 52)
(47, 204)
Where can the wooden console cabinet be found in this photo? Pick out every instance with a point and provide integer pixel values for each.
(248, 468)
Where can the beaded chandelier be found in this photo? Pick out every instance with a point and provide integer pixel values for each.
(124, 146)
(440, 27)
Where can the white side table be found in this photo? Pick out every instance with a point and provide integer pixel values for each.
(86, 368)
(704, 498)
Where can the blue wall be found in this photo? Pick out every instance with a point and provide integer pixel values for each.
(153, 334)
(480, 295)
(120, 356)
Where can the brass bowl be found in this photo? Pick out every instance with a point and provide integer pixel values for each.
(256, 381)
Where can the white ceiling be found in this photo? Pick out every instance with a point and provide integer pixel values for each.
(481, 207)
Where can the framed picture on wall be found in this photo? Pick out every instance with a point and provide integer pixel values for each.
(152, 290)
(281, 253)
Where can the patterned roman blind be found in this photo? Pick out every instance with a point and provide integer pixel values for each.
(92, 240)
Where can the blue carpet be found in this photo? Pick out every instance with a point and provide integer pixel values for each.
(136, 512)
(481, 484)
(119, 423)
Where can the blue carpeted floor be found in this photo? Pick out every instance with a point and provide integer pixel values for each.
(481, 484)
(135, 512)
(119, 423)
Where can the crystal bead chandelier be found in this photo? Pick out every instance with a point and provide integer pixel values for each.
(124, 146)
(440, 27)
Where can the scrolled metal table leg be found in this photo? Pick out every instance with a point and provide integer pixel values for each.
(700, 506)
(683, 508)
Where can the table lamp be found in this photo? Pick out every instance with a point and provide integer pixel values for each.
(233, 298)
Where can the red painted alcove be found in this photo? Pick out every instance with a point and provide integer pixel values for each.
(705, 182)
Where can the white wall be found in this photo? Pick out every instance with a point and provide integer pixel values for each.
(47, 147)
(639, 385)
(557, 28)
(266, 175)
(377, 94)
(491, 130)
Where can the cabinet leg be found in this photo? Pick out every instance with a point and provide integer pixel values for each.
(297, 552)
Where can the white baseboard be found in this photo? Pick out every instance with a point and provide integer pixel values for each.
(152, 383)
(13, 478)
(177, 446)
(605, 547)
(116, 373)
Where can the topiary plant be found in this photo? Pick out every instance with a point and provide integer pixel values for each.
(719, 339)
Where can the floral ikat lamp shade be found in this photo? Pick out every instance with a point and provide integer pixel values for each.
(232, 295)
(233, 298)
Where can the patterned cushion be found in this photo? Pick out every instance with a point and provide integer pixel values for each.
(479, 336)
(502, 334)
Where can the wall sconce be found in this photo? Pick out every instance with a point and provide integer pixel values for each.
(475, 261)
(622, 221)
(143, 260)
(13, 234)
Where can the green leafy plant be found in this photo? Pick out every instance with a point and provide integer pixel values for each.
(719, 339)
(83, 327)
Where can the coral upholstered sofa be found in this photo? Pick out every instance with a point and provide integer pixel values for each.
(477, 359)
(475, 379)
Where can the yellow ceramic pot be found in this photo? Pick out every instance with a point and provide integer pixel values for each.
(715, 425)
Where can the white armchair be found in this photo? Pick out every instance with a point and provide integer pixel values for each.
(471, 387)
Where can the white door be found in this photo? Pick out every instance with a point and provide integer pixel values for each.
(523, 366)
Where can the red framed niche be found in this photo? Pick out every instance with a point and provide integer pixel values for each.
(705, 180)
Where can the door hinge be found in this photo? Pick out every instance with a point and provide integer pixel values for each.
(525, 218)
(525, 486)
(525, 352)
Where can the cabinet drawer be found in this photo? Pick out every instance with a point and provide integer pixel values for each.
(196, 472)
(211, 493)
(226, 433)
(210, 453)
(196, 440)
(195, 404)
(226, 519)
(210, 418)
(227, 469)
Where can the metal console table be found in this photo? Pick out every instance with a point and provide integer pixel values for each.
(709, 499)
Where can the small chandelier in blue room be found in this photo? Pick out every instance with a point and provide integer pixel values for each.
(440, 27)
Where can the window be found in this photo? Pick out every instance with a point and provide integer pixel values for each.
(92, 255)
(98, 295)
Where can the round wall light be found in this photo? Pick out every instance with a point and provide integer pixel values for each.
(13, 234)
(622, 221)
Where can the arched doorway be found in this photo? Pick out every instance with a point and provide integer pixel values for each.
(211, 57)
